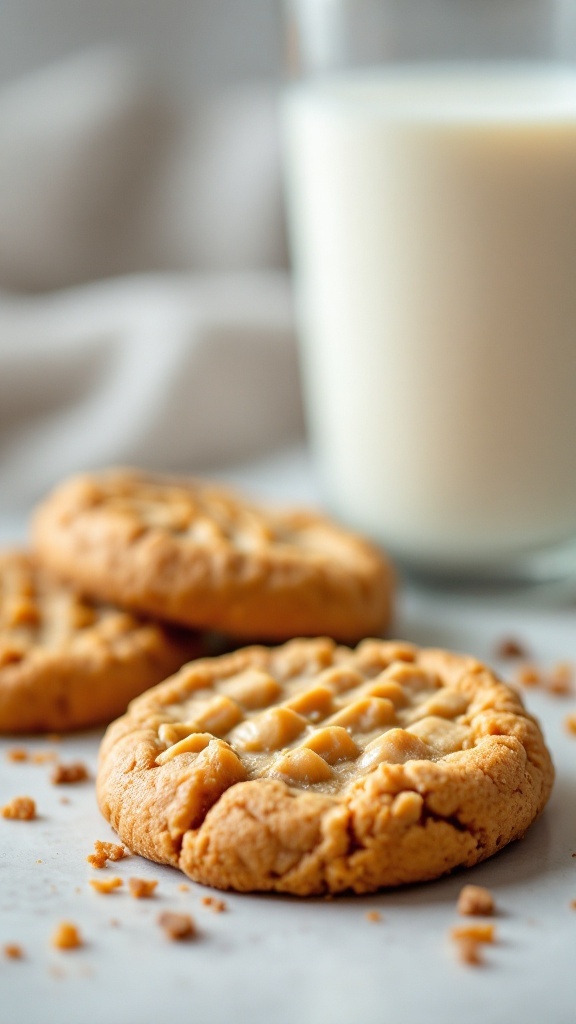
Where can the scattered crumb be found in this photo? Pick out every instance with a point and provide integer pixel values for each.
(66, 936)
(115, 923)
(186, 888)
(529, 675)
(13, 952)
(373, 915)
(106, 885)
(216, 905)
(474, 899)
(469, 940)
(509, 647)
(477, 932)
(557, 680)
(560, 679)
(469, 951)
(570, 723)
(142, 888)
(21, 808)
(573, 904)
(43, 756)
(65, 800)
(104, 852)
(177, 926)
(69, 773)
(39, 861)
(17, 754)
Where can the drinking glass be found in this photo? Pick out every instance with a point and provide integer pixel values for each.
(430, 161)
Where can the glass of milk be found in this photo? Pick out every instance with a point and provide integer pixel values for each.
(430, 153)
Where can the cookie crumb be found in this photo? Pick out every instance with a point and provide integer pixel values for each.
(17, 754)
(570, 722)
(557, 681)
(529, 675)
(560, 679)
(69, 773)
(106, 885)
(66, 936)
(13, 951)
(21, 808)
(43, 757)
(475, 899)
(373, 915)
(177, 926)
(142, 888)
(477, 932)
(183, 887)
(511, 648)
(104, 852)
(469, 940)
(469, 951)
(216, 905)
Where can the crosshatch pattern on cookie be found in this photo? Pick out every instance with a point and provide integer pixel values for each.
(314, 726)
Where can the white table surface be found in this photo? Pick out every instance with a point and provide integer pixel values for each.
(277, 960)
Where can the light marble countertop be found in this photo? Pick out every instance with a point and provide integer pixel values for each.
(279, 960)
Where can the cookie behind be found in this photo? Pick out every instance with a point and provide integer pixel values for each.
(193, 553)
(67, 662)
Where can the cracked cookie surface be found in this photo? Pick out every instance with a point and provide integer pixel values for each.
(313, 768)
(67, 662)
(195, 554)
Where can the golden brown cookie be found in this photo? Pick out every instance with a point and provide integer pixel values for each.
(192, 553)
(313, 768)
(67, 663)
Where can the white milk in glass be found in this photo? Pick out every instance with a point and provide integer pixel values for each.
(433, 214)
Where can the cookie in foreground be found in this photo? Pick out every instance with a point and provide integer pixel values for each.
(193, 553)
(313, 768)
(68, 663)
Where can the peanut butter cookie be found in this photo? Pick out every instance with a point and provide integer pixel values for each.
(314, 768)
(192, 553)
(66, 662)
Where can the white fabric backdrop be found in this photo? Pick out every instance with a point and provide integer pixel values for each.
(145, 308)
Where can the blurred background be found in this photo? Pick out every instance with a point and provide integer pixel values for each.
(189, 42)
(145, 301)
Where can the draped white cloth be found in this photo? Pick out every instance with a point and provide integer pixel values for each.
(145, 305)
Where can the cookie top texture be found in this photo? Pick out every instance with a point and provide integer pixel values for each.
(67, 662)
(193, 553)
(312, 768)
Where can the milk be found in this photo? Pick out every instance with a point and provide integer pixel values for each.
(433, 218)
